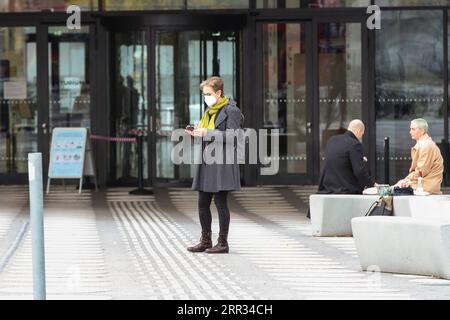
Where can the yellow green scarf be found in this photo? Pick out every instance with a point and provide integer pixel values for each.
(209, 118)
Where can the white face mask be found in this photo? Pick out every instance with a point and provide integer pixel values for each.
(210, 100)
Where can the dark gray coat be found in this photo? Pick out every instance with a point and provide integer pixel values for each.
(220, 177)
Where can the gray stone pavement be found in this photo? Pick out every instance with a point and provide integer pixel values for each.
(108, 245)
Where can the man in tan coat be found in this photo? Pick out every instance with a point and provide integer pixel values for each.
(426, 160)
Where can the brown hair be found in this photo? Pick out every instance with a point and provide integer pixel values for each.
(215, 83)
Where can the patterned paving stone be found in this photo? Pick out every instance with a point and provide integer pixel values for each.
(273, 255)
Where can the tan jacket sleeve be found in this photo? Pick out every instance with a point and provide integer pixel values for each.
(424, 162)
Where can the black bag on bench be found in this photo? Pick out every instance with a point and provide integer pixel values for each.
(408, 191)
(382, 207)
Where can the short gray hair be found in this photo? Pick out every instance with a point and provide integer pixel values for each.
(216, 83)
(421, 124)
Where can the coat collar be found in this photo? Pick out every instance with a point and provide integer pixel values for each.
(351, 134)
(223, 114)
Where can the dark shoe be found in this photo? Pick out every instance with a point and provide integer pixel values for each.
(221, 246)
(205, 243)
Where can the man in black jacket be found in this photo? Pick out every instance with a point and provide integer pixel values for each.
(345, 171)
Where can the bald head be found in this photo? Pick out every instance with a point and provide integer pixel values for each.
(357, 127)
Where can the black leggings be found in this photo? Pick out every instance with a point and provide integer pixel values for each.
(204, 203)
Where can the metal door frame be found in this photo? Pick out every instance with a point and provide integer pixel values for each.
(312, 88)
(153, 30)
(44, 131)
(305, 178)
(41, 21)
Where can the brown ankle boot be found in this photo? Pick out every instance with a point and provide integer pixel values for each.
(205, 243)
(221, 246)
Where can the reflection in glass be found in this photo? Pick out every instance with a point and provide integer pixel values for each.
(340, 82)
(284, 58)
(400, 3)
(218, 4)
(144, 4)
(131, 105)
(40, 5)
(69, 77)
(183, 60)
(266, 4)
(409, 82)
(174, 4)
(18, 111)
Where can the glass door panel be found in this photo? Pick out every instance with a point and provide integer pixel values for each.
(131, 102)
(18, 98)
(70, 102)
(410, 83)
(183, 60)
(340, 79)
(308, 116)
(284, 52)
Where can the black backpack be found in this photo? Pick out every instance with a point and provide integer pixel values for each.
(382, 207)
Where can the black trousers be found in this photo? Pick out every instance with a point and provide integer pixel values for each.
(221, 201)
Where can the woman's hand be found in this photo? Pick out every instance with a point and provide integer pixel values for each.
(199, 132)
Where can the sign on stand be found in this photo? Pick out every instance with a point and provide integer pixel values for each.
(70, 156)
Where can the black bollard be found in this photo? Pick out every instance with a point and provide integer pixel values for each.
(140, 149)
(386, 160)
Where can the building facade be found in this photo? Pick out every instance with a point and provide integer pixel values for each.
(305, 67)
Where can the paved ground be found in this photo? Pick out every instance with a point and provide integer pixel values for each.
(108, 245)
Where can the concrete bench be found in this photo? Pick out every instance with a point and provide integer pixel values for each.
(405, 245)
(331, 214)
(422, 207)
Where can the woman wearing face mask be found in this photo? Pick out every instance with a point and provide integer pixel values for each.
(216, 180)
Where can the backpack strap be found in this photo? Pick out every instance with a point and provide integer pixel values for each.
(372, 207)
